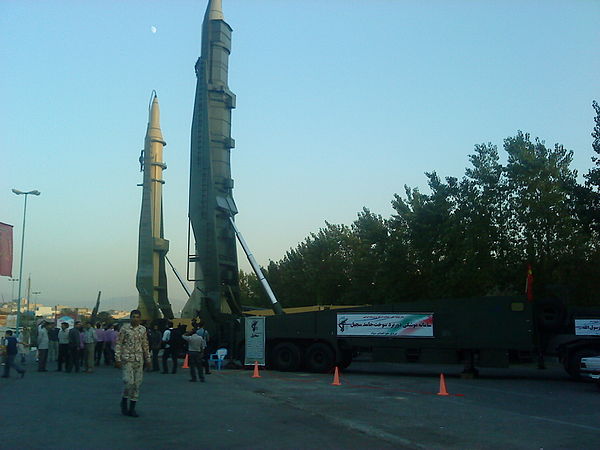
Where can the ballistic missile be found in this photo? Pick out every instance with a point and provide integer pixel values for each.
(211, 204)
(151, 279)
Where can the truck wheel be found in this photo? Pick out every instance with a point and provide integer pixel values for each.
(320, 357)
(573, 363)
(286, 357)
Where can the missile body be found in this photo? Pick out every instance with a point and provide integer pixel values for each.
(151, 279)
(211, 199)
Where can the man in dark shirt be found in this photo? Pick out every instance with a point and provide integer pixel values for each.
(74, 347)
(53, 345)
(11, 353)
(155, 341)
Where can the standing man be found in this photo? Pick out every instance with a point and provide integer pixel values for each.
(196, 346)
(64, 355)
(203, 333)
(89, 342)
(11, 354)
(155, 341)
(108, 338)
(74, 344)
(168, 351)
(43, 344)
(99, 343)
(131, 352)
(53, 345)
(111, 342)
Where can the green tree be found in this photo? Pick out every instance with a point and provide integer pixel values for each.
(486, 216)
(593, 176)
(544, 221)
(251, 291)
(316, 271)
(367, 245)
(467, 237)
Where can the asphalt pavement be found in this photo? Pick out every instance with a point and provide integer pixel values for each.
(377, 406)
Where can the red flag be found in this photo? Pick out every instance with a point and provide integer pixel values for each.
(6, 249)
(529, 283)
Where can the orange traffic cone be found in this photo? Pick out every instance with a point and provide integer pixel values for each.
(443, 390)
(336, 377)
(256, 374)
(185, 362)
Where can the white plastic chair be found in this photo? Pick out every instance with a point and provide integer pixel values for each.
(218, 357)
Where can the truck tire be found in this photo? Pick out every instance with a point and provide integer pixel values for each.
(550, 313)
(286, 357)
(573, 362)
(320, 357)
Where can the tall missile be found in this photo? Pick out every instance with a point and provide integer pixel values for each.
(151, 279)
(211, 205)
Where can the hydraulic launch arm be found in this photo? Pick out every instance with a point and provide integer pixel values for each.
(257, 270)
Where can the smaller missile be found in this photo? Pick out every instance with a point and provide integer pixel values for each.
(151, 279)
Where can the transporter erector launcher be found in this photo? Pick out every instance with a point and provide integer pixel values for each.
(211, 205)
(151, 279)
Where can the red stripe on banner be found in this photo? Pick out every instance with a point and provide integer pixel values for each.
(6, 249)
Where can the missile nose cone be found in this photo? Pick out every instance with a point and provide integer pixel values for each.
(154, 131)
(215, 10)
(154, 113)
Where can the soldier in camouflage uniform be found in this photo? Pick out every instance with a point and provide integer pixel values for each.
(131, 352)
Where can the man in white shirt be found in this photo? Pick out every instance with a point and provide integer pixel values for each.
(168, 350)
(43, 343)
(196, 347)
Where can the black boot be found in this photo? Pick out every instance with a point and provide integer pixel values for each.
(124, 406)
(132, 412)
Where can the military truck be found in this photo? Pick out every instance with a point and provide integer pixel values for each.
(477, 332)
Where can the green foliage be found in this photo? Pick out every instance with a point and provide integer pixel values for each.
(251, 291)
(468, 237)
(593, 176)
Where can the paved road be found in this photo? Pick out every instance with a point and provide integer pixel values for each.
(377, 406)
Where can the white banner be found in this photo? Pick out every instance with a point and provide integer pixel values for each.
(385, 325)
(255, 340)
(587, 327)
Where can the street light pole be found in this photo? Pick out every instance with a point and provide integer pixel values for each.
(17, 192)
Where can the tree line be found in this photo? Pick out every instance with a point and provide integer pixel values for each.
(473, 236)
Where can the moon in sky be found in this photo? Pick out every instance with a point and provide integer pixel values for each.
(153, 29)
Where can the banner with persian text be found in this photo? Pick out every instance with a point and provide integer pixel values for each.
(6, 249)
(587, 327)
(255, 341)
(385, 325)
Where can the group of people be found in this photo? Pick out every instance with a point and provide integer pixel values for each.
(133, 353)
(132, 348)
(176, 342)
(79, 347)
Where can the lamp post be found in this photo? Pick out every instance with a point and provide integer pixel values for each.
(17, 192)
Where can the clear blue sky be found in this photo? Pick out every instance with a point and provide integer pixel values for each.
(340, 103)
